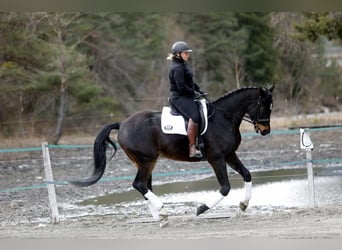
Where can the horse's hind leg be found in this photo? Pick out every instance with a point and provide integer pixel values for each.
(143, 183)
(235, 163)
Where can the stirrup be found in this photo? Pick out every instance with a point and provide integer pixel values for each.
(194, 152)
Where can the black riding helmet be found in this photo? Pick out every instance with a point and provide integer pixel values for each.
(179, 47)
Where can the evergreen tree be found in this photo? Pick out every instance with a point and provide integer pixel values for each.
(260, 56)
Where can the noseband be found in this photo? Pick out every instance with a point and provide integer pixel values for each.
(258, 107)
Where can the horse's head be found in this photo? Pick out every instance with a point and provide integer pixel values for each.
(260, 113)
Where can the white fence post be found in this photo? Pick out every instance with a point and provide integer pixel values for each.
(305, 143)
(50, 184)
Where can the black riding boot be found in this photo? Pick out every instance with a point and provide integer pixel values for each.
(192, 133)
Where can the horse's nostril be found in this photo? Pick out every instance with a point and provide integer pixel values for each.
(265, 132)
(263, 129)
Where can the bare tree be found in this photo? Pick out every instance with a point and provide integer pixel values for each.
(294, 53)
(67, 60)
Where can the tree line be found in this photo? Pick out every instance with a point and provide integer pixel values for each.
(85, 69)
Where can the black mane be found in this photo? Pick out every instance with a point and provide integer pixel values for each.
(235, 91)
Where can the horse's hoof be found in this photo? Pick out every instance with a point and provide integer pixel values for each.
(163, 215)
(243, 206)
(163, 218)
(201, 209)
(163, 223)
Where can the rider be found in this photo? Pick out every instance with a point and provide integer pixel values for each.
(183, 90)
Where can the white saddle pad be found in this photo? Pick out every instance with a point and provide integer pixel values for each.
(172, 124)
(175, 124)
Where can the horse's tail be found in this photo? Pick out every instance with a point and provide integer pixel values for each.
(100, 146)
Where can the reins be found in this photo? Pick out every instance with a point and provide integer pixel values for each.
(230, 114)
(245, 118)
(226, 114)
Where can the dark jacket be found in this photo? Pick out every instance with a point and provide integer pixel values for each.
(182, 89)
(181, 79)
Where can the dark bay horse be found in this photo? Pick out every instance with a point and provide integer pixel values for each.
(141, 138)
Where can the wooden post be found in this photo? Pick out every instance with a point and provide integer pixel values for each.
(305, 143)
(311, 184)
(50, 184)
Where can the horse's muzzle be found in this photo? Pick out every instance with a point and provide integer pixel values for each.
(262, 128)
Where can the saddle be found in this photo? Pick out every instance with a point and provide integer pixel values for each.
(172, 121)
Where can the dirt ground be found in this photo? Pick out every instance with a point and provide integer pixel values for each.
(24, 211)
(319, 223)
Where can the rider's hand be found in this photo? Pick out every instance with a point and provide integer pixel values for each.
(199, 94)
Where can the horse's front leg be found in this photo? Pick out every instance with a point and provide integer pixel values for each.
(235, 163)
(220, 169)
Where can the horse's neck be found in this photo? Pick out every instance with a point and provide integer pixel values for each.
(237, 103)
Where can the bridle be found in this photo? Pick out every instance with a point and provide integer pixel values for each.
(258, 107)
(259, 120)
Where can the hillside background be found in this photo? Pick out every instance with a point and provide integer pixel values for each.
(71, 73)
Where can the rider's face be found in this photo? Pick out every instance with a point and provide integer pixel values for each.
(185, 56)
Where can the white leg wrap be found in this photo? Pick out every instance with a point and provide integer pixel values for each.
(214, 199)
(154, 211)
(248, 191)
(155, 201)
(155, 205)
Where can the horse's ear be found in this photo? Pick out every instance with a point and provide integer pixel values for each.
(262, 90)
(271, 88)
